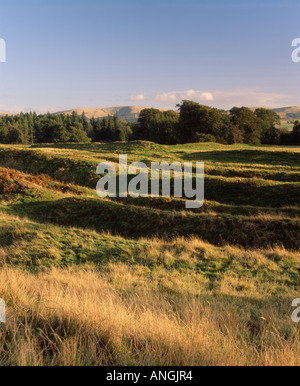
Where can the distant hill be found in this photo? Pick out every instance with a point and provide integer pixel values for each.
(288, 116)
(126, 113)
(289, 113)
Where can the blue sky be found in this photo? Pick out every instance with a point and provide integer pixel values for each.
(65, 54)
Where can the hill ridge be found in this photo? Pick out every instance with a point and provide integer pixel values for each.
(128, 113)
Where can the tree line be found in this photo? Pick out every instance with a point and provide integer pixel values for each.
(54, 128)
(197, 123)
(191, 123)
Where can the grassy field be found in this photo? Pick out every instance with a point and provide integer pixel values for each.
(144, 281)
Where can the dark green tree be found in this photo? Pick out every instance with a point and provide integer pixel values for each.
(269, 119)
(248, 123)
(196, 119)
(144, 124)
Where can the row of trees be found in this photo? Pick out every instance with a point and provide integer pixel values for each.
(198, 123)
(191, 123)
(49, 128)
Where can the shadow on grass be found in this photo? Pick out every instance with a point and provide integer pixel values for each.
(104, 147)
(245, 156)
(136, 222)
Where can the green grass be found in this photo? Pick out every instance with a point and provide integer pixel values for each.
(35, 246)
(277, 185)
(254, 204)
(222, 276)
(133, 221)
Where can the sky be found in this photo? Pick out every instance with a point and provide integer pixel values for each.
(64, 54)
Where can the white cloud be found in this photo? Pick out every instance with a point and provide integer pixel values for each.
(178, 96)
(138, 97)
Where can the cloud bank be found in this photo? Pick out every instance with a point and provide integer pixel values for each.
(224, 99)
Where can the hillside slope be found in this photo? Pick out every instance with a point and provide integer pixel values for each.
(126, 113)
(290, 114)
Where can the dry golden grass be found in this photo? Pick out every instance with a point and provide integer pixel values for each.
(127, 316)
